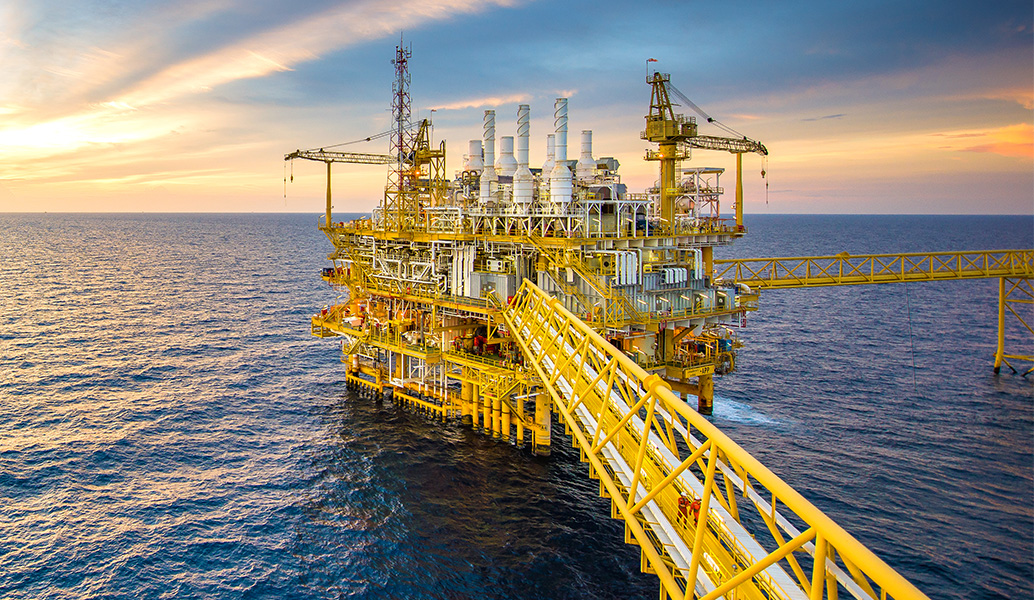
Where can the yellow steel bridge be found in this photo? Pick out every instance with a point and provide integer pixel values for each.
(683, 487)
(1013, 268)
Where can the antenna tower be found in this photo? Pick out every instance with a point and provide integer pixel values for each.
(402, 141)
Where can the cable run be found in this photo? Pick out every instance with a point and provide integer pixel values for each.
(704, 115)
(409, 125)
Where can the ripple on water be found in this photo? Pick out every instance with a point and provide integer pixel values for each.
(169, 429)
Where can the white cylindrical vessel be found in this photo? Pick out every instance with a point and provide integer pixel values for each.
(523, 182)
(586, 164)
(547, 167)
(488, 176)
(473, 160)
(560, 185)
(507, 164)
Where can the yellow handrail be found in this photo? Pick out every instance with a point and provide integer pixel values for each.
(675, 479)
(845, 269)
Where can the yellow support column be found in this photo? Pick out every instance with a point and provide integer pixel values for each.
(520, 433)
(486, 413)
(504, 429)
(739, 191)
(465, 401)
(474, 401)
(708, 253)
(668, 181)
(705, 394)
(328, 192)
(543, 424)
(1000, 352)
(497, 416)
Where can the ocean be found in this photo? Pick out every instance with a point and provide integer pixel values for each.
(169, 428)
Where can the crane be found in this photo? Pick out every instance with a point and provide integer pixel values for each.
(675, 134)
(329, 157)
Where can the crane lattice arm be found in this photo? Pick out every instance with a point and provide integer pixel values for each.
(326, 156)
(670, 131)
(329, 157)
(734, 145)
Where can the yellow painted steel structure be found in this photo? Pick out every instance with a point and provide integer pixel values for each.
(846, 269)
(682, 487)
(499, 300)
(1013, 292)
(1013, 268)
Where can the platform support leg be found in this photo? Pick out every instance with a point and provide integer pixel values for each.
(486, 414)
(543, 424)
(497, 416)
(705, 394)
(504, 427)
(465, 403)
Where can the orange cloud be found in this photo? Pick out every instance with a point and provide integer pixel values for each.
(1016, 141)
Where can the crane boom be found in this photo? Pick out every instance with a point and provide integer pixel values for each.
(674, 131)
(734, 145)
(327, 156)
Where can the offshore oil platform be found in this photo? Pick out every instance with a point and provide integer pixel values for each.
(428, 272)
(507, 295)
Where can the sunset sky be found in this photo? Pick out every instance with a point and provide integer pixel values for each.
(190, 105)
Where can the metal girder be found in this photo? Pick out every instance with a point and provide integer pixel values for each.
(326, 156)
(734, 145)
(680, 484)
(1013, 293)
(845, 269)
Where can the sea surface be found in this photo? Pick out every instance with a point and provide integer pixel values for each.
(169, 428)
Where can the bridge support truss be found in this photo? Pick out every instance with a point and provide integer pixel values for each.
(1013, 292)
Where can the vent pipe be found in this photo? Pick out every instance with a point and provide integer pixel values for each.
(560, 186)
(586, 164)
(473, 159)
(507, 164)
(547, 167)
(523, 182)
(488, 177)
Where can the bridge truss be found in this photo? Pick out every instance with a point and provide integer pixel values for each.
(1013, 268)
(710, 519)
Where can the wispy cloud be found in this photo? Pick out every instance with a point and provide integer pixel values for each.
(488, 101)
(1016, 141)
(836, 116)
(89, 120)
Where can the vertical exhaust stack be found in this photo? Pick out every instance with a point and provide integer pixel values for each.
(547, 167)
(586, 164)
(473, 160)
(507, 164)
(488, 176)
(523, 182)
(560, 185)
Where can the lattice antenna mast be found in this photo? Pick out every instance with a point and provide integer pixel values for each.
(396, 195)
(401, 111)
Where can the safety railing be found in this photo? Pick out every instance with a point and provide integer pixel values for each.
(682, 487)
(845, 269)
